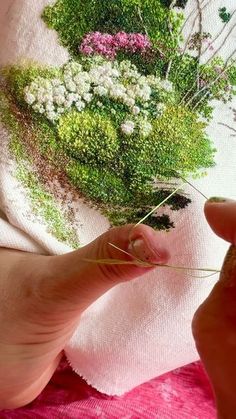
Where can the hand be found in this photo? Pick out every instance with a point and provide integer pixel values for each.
(42, 298)
(214, 324)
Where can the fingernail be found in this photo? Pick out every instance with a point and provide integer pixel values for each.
(228, 273)
(147, 252)
(217, 200)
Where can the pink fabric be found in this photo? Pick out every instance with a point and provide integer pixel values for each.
(181, 394)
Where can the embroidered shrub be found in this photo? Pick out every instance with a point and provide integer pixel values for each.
(19, 77)
(100, 185)
(88, 137)
(72, 19)
(177, 143)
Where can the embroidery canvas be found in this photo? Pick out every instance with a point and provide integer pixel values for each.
(105, 108)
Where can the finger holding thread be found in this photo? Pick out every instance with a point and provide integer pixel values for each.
(214, 324)
(147, 247)
(221, 216)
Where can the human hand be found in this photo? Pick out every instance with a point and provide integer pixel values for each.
(214, 324)
(43, 297)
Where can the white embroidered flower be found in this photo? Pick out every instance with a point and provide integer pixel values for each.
(100, 91)
(71, 86)
(59, 99)
(80, 105)
(67, 104)
(49, 107)
(118, 91)
(128, 127)
(55, 82)
(129, 102)
(120, 82)
(52, 116)
(136, 110)
(88, 97)
(73, 97)
(167, 85)
(60, 110)
(160, 108)
(39, 108)
(30, 98)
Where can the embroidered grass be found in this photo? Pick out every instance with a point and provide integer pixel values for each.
(42, 202)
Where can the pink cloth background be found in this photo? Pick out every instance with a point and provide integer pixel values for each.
(181, 394)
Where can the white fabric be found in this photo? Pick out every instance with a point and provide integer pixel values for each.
(141, 329)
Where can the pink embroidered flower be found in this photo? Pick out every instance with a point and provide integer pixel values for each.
(121, 39)
(108, 45)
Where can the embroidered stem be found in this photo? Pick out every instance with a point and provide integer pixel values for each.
(219, 34)
(222, 44)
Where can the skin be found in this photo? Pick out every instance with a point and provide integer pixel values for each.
(214, 324)
(43, 297)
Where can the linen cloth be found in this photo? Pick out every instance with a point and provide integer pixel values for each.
(142, 329)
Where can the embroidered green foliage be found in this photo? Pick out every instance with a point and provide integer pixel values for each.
(224, 15)
(180, 139)
(89, 137)
(177, 3)
(133, 216)
(98, 184)
(177, 142)
(116, 202)
(215, 82)
(72, 19)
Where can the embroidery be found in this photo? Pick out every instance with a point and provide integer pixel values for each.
(224, 15)
(127, 115)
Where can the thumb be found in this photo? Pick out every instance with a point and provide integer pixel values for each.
(221, 216)
(75, 281)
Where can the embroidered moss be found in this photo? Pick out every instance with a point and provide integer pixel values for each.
(109, 192)
(89, 137)
(99, 185)
(177, 142)
(43, 203)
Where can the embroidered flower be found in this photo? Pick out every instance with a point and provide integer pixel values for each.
(108, 80)
(109, 45)
(128, 127)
